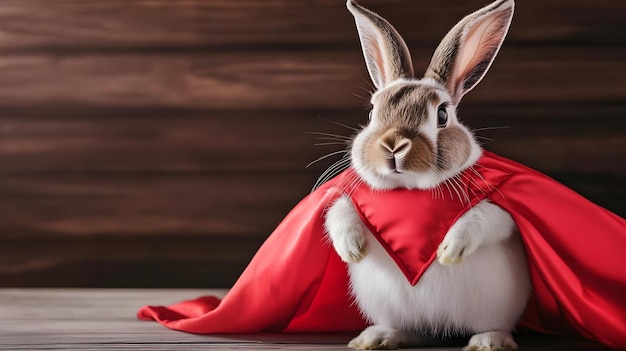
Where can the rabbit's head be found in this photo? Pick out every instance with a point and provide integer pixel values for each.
(413, 138)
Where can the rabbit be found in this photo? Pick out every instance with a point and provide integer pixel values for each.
(479, 284)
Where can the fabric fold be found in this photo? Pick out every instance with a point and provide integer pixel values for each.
(297, 283)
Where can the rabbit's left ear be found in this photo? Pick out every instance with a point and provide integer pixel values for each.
(386, 55)
(467, 51)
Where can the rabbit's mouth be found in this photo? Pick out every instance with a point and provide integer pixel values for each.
(395, 163)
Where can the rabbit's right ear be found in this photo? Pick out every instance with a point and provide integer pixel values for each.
(386, 55)
(467, 51)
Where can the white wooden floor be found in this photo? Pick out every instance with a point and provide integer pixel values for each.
(104, 319)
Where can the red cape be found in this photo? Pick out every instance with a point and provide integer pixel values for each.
(297, 283)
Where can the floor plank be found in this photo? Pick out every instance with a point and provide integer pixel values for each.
(104, 319)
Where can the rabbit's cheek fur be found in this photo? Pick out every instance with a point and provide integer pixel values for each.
(359, 152)
(421, 156)
(453, 147)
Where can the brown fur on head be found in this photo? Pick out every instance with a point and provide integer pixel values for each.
(414, 139)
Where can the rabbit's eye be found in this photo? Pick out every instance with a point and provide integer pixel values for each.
(442, 116)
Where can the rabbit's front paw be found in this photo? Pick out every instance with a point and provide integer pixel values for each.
(454, 248)
(456, 245)
(346, 230)
(491, 341)
(378, 337)
(350, 245)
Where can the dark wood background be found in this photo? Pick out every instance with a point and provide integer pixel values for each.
(153, 143)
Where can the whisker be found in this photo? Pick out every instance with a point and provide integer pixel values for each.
(440, 190)
(432, 193)
(325, 157)
(352, 184)
(330, 175)
(369, 84)
(334, 169)
(331, 139)
(355, 185)
(464, 192)
(362, 97)
(342, 137)
(460, 187)
(340, 184)
(483, 138)
(470, 181)
(338, 123)
(490, 128)
(454, 189)
(445, 182)
(329, 143)
(436, 192)
(364, 89)
(489, 186)
(343, 162)
(457, 188)
(466, 183)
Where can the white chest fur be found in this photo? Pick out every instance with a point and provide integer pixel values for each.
(487, 291)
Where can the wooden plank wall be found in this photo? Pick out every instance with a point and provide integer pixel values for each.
(154, 143)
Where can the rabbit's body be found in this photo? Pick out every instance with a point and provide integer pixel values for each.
(479, 283)
(487, 291)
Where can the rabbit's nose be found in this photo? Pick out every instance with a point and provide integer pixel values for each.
(394, 143)
(397, 147)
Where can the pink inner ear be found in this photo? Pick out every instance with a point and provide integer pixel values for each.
(379, 61)
(482, 38)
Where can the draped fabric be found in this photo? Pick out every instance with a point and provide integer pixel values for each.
(297, 283)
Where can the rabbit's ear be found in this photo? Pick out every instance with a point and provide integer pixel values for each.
(467, 51)
(386, 55)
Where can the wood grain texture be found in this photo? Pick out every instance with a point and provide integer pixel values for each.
(290, 79)
(181, 205)
(151, 143)
(176, 231)
(95, 319)
(172, 260)
(553, 138)
(83, 26)
(232, 204)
